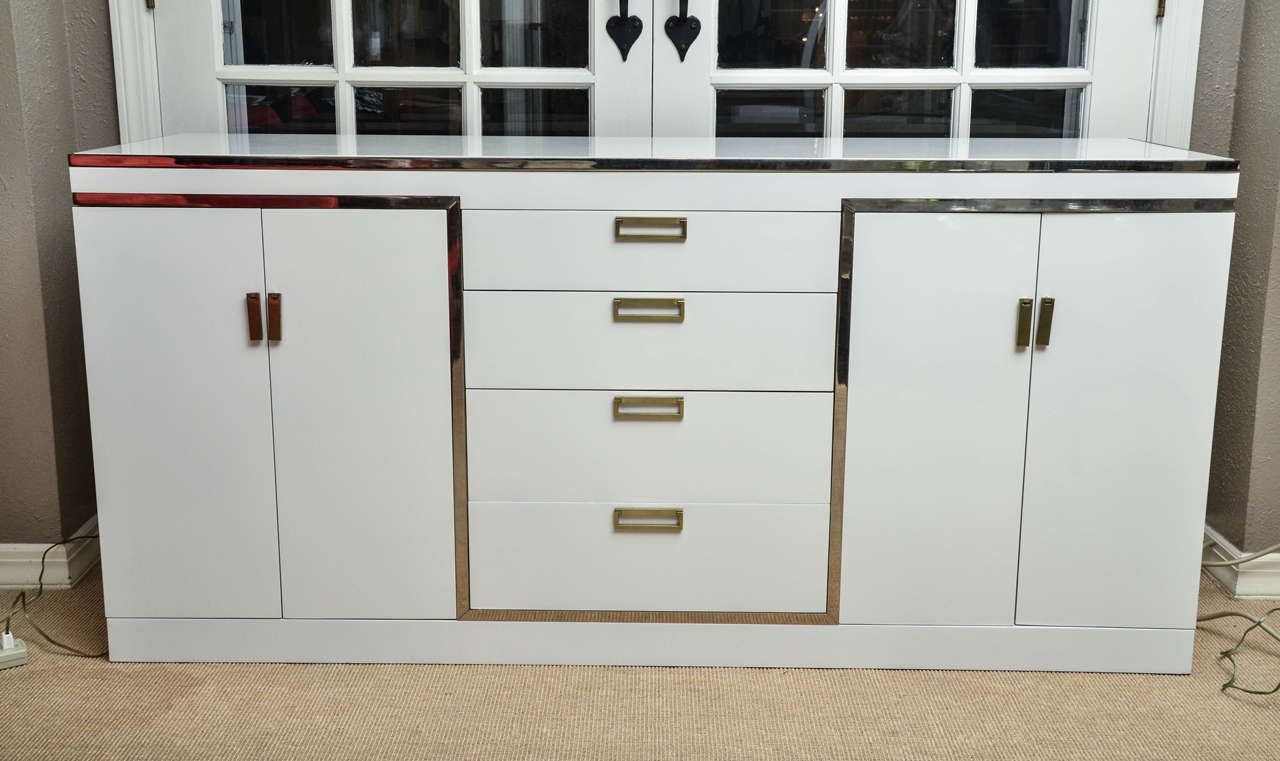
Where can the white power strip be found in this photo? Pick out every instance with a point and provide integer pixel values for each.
(13, 653)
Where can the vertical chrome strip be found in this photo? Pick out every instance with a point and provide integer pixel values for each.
(840, 409)
(458, 399)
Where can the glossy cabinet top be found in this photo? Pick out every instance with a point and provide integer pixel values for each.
(644, 153)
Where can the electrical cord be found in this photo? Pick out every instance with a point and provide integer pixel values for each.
(1230, 653)
(1239, 560)
(1259, 623)
(21, 602)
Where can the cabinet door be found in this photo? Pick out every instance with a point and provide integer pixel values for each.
(937, 417)
(361, 395)
(180, 404)
(1121, 419)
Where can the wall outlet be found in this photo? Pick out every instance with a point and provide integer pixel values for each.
(12, 657)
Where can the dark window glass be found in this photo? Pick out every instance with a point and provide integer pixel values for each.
(769, 113)
(264, 109)
(901, 34)
(1045, 33)
(772, 34)
(408, 111)
(550, 33)
(535, 112)
(1025, 113)
(897, 113)
(278, 32)
(406, 32)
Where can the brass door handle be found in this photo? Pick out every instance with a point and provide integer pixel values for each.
(274, 327)
(253, 306)
(648, 310)
(1045, 325)
(659, 408)
(648, 520)
(1025, 307)
(680, 225)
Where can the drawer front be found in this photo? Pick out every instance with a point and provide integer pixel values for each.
(772, 448)
(711, 251)
(721, 341)
(570, 556)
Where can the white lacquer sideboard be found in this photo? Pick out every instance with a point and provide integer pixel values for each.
(906, 404)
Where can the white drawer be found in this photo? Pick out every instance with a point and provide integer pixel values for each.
(768, 448)
(569, 556)
(725, 341)
(721, 251)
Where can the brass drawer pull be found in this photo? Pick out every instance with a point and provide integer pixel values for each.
(253, 305)
(663, 407)
(1045, 326)
(635, 519)
(1025, 306)
(274, 319)
(679, 224)
(648, 310)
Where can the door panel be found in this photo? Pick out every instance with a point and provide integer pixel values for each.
(361, 391)
(191, 97)
(181, 411)
(937, 417)
(1121, 419)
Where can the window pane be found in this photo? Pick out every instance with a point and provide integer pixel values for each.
(277, 32)
(901, 34)
(769, 113)
(262, 109)
(1031, 32)
(897, 113)
(772, 34)
(534, 33)
(408, 111)
(406, 32)
(519, 112)
(1026, 113)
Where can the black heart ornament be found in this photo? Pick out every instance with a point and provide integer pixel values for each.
(683, 30)
(624, 32)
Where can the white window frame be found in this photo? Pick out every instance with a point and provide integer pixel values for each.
(684, 94)
(613, 109)
(1169, 120)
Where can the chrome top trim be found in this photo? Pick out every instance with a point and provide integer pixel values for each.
(727, 164)
(1038, 205)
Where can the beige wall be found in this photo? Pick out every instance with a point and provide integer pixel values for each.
(57, 96)
(1238, 111)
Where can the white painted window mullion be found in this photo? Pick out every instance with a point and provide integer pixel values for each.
(1021, 79)
(393, 76)
(966, 34)
(835, 112)
(769, 79)
(961, 110)
(908, 79)
(267, 75)
(513, 76)
(837, 35)
(343, 61)
(469, 35)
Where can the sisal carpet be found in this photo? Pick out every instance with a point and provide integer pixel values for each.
(59, 707)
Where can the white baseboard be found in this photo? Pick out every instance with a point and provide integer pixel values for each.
(310, 640)
(1258, 579)
(65, 565)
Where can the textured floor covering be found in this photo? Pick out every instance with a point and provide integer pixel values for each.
(59, 707)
